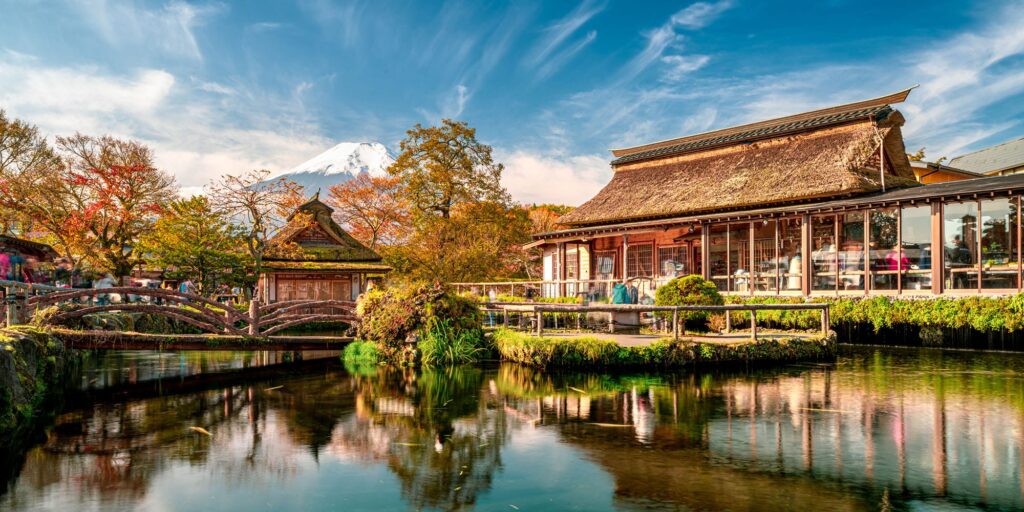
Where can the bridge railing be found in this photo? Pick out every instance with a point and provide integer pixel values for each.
(201, 312)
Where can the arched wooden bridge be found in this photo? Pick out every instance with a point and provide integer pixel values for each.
(205, 314)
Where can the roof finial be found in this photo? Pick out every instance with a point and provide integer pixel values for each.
(317, 195)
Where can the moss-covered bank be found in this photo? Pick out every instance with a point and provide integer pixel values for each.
(594, 352)
(32, 366)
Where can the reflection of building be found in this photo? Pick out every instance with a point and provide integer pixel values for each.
(819, 203)
(314, 258)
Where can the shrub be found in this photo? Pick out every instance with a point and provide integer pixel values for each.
(360, 352)
(688, 291)
(389, 317)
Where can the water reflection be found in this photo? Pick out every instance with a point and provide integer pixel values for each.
(881, 428)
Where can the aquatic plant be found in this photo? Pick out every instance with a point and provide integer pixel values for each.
(442, 344)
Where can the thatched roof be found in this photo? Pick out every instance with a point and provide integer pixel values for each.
(789, 160)
(318, 237)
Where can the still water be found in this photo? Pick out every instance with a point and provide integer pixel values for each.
(881, 429)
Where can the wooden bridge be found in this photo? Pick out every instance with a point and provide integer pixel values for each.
(50, 306)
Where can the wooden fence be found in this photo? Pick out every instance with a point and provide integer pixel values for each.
(539, 309)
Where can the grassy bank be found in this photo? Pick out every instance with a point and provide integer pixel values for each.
(983, 314)
(595, 352)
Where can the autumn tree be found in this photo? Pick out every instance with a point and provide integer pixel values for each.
(371, 208)
(94, 201)
(198, 242)
(23, 152)
(260, 205)
(464, 223)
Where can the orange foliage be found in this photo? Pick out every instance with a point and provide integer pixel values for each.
(371, 209)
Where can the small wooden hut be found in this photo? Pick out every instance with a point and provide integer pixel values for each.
(312, 257)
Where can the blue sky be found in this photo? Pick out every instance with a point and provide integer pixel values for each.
(220, 87)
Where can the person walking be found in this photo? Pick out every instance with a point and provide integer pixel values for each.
(107, 281)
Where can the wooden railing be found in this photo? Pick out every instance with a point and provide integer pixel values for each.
(539, 309)
(591, 289)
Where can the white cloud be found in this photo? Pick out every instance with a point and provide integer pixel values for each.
(169, 29)
(196, 137)
(558, 32)
(682, 65)
(538, 178)
(700, 14)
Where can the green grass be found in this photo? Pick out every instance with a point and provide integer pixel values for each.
(444, 345)
(595, 352)
(360, 352)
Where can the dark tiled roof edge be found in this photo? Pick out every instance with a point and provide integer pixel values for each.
(877, 113)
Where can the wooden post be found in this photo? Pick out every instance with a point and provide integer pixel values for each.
(675, 324)
(254, 316)
(753, 325)
(11, 314)
(504, 314)
(824, 321)
(728, 322)
(579, 326)
(540, 322)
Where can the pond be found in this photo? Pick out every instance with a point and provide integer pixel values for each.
(881, 429)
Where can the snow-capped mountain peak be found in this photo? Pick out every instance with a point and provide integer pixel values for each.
(348, 158)
(340, 164)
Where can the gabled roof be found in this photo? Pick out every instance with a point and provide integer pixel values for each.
(834, 154)
(1001, 157)
(29, 247)
(873, 109)
(319, 238)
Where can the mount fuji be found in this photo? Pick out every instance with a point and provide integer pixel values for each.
(340, 164)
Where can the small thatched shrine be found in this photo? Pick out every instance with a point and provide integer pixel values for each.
(312, 257)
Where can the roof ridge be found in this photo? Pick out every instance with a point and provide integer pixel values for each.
(730, 134)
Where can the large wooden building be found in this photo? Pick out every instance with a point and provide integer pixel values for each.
(312, 257)
(819, 203)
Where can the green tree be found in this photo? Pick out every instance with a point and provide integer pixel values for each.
(198, 242)
(23, 152)
(464, 223)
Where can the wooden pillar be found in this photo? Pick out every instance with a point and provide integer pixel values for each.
(805, 255)
(504, 315)
(705, 252)
(728, 321)
(824, 321)
(540, 321)
(675, 324)
(751, 255)
(938, 254)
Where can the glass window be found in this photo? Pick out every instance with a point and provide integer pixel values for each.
(960, 240)
(572, 264)
(884, 258)
(999, 243)
(790, 261)
(916, 225)
(672, 261)
(718, 266)
(605, 264)
(739, 257)
(823, 257)
(766, 258)
(640, 262)
(851, 251)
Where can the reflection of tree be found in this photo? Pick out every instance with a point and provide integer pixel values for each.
(446, 447)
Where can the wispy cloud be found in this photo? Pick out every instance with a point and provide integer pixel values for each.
(553, 64)
(559, 31)
(194, 137)
(343, 21)
(700, 14)
(682, 65)
(169, 29)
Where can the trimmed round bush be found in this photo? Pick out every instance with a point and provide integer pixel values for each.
(688, 291)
